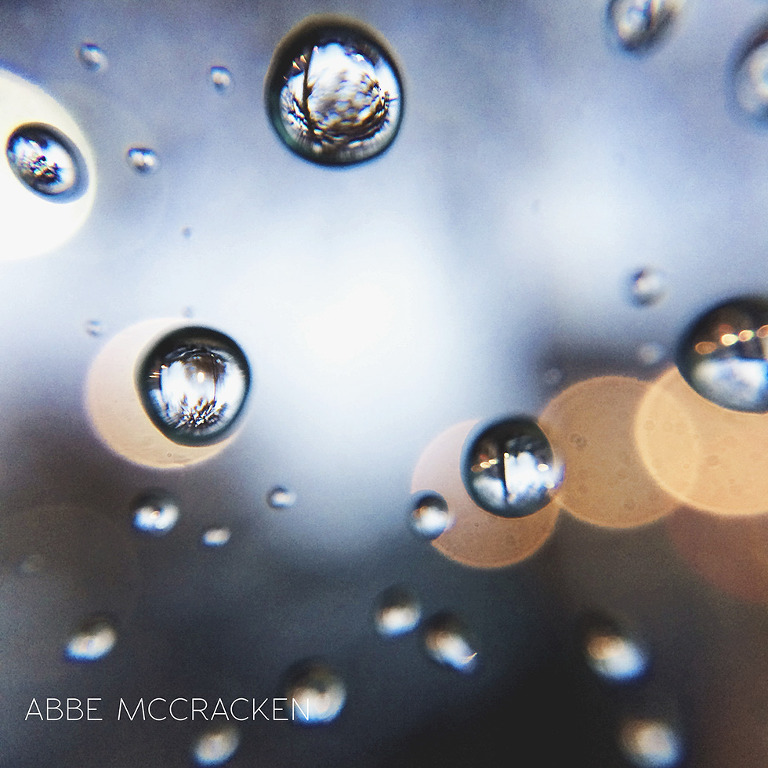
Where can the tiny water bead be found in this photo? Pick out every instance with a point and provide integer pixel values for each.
(638, 24)
(47, 162)
(751, 78)
(216, 746)
(334, 94)
(509, 468)
(723, 355)
(143, 160)
(216, 537)
(651, 743)
(446, 641)
(430, 516)
(397, 613)
(194, 384)
(92, 57)
(222, 79)
(612, 655)
(94, 640)
(647, 287)
(651, 353)
(94, 328)
(155, 513)
(281, 498)
(315, 693)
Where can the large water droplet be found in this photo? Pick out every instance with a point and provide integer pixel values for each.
(612, 655)
(216, 746)
(143, 160)
(647, 287)
(47, 162)
(430, 516)
(397, 612)
(724, 355)
(510, 469)
(194, 384)
(92, 57)
(751, 78)
(638, 24)
(281, 498)
(447, 642)
(333, 94)
(155, 513)
(651, 743)
(216, 537)
(94, 640)
(222, 79)
(315, 694)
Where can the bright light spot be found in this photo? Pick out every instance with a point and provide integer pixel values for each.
(706, 347)
(729, 339)
(746, 335)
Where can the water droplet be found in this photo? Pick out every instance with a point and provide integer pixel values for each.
(397, 613)
(143, 160)
(216, 537)
(94, 328)
(751, 78)
(216, 746)
(651, 353)
(315, 694)
(651, 743)
(639, 24)
(194, 384)
(92, 57)
(186, 232)
(446, 641)
(94, 640)
(510, 468)
(334, 95)
(221, 78)
(647, 287)
(32, 564)
(281, 498)
(612, 655)
(724, 355)
(430, 516)
(47, 162)
(155, 513)
(553, 377)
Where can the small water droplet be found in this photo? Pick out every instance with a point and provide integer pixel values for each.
(651, 353)
(281, 498)
(94, 640)
(194, 385)
(315, 694)
(216, 746)
(94, 328)
(143, 160)
(216, 537)
(446, 641)
(155, 513)
(92, 57)
(647, 287)
(32, 564)
(188, 312)
(334, 95)
(651, 743)
(186, 232)
(397, 613)
(47, 162)
(221, 78)
(553, 377)
(613, 655)
(751, 78)
(639, 24)
(510, 468)
(723, 355)
(430, 516)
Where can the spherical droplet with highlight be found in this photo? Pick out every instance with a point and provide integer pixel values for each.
(509, 468)
(47, 162)
(143, 160)
(333, 93)
(222, 79)
(638, 24)
(750, 79)
(194, 384)
(315, 693)
(723, 355)
(612, 654)
(447, 642)
(430, 516)
(647, 287)
(94, 640)
(216, 746)
(216, 537)
(651, 743)
(397, 613)
(281, 498)
(155, 513)
(92, 57)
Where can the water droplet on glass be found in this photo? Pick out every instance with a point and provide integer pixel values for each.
(651, 743)
(216, 537)
(446, 641)
(638, 24)
(94, 328)
(92, 57)
(47, 162)
(32, 564)
(397, 613)
(553, 377)
(186, 232)
(194, 384)
(216, 746)
(281, 498)
(651, 353)
(143, 160)
(724, 355)
(334, 95)
(430, 516)
(315, 694)
(221, 78)
(510, 468)
(647, 287)
(613, 655)
(751, 78)
(155, 513)
(94, 640)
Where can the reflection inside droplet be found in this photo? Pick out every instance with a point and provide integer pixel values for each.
(751, 78)
(446, 641)
(281, 498)
(430, 516)
(397, 613)
(216, 746)
(638, 24)
(92, 57)
(315, 694)
(143, 159)
(221, 78)
(94, 640)
(155, 513)
(651, 743)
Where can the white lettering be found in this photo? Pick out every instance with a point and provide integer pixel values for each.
(276, 709)
(258, 709)
(199, 710)
(139, 706)
(37, 712)
(170, 709)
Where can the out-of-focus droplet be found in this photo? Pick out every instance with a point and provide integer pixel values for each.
(222, 79)
(32, 564)
(397, 612)
(216, 746)
(281, 498)
(430, 516)
(724, 355)
(216, 537)
(647, 287)
(47, 162)
(186, 233)
(94, 640)
(92, 57)
(639, 24)
(651, 353)
(194, 384)
(94, 328)
(751, 78)
(510, 469)
(651, 743)
(553, 377)
(155, 513)
(143, 160)
(334, 94)
(446, 641)
(613, 655)
(316, 694)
